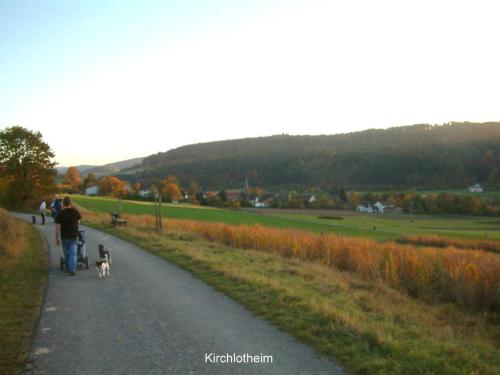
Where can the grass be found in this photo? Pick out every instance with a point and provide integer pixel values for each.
(367, 326)
(378, 227)
(474, 227)
(23, 278)
(233, 217)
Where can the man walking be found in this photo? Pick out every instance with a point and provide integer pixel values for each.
(67, 222)
(55, 207)
(42, 208)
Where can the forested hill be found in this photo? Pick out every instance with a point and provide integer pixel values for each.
(418, 156)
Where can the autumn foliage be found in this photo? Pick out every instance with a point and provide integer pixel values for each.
(110, 185)
(26, 168)
(470, 278)
(74, 178)
(461, 243)
(169, 188)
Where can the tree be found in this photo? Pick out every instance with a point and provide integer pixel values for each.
(472, 206)
(323, 201)
(295, 200)
(494, 179)
(222, 195)
(171, 180)
(167, 188)
(27, 170)
(343, 195)
(90, 180)
(256, 192)
(200, 197)
(173, 193)
(74, 178)
(194, 188)
(136, 187)
(113, 186)
(354, 199)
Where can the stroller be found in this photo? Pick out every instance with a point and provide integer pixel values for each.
(81, 254)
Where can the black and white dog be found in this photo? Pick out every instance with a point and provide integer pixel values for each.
(104, 263)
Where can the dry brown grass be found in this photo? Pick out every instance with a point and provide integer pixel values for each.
(12, 236)
(460, 243)
(468, 278)
(23, 276)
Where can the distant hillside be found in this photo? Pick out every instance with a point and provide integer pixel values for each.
(418, 156)
(107, 169)
(81, 168)
(114, 167)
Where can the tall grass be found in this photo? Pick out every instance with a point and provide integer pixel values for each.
(437, 241)
(23, 276)
(468, 278)
(12, 235)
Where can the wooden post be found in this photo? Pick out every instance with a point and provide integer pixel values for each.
(119, 206)
(156, 211)
(160, 216)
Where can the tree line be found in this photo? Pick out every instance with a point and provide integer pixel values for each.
(444, 203)
(27, 172)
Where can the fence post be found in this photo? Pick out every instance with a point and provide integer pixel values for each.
(156, 211)
(160, 216)
(119, 206)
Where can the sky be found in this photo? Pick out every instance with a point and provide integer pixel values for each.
(105, 80)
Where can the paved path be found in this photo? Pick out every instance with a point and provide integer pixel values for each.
(150, 317)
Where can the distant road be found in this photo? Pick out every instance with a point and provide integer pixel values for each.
(150, 317)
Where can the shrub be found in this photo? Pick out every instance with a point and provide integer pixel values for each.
(460, 243)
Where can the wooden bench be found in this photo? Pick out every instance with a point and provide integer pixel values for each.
(115, 219)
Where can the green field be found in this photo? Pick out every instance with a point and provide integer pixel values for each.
(396, 226)
(379, 227)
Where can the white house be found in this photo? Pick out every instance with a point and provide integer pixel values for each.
(144, 193)
(475, 188)
(379, 207)
(361, 208)
(258, 204)
(93, 190)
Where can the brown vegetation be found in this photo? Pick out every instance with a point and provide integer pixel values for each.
(23, 276)
(469, 278)
(74, 178)
(436, 241)
(110, 185)
(12, 235)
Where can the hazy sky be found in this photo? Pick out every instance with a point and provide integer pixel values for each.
(111, 80)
